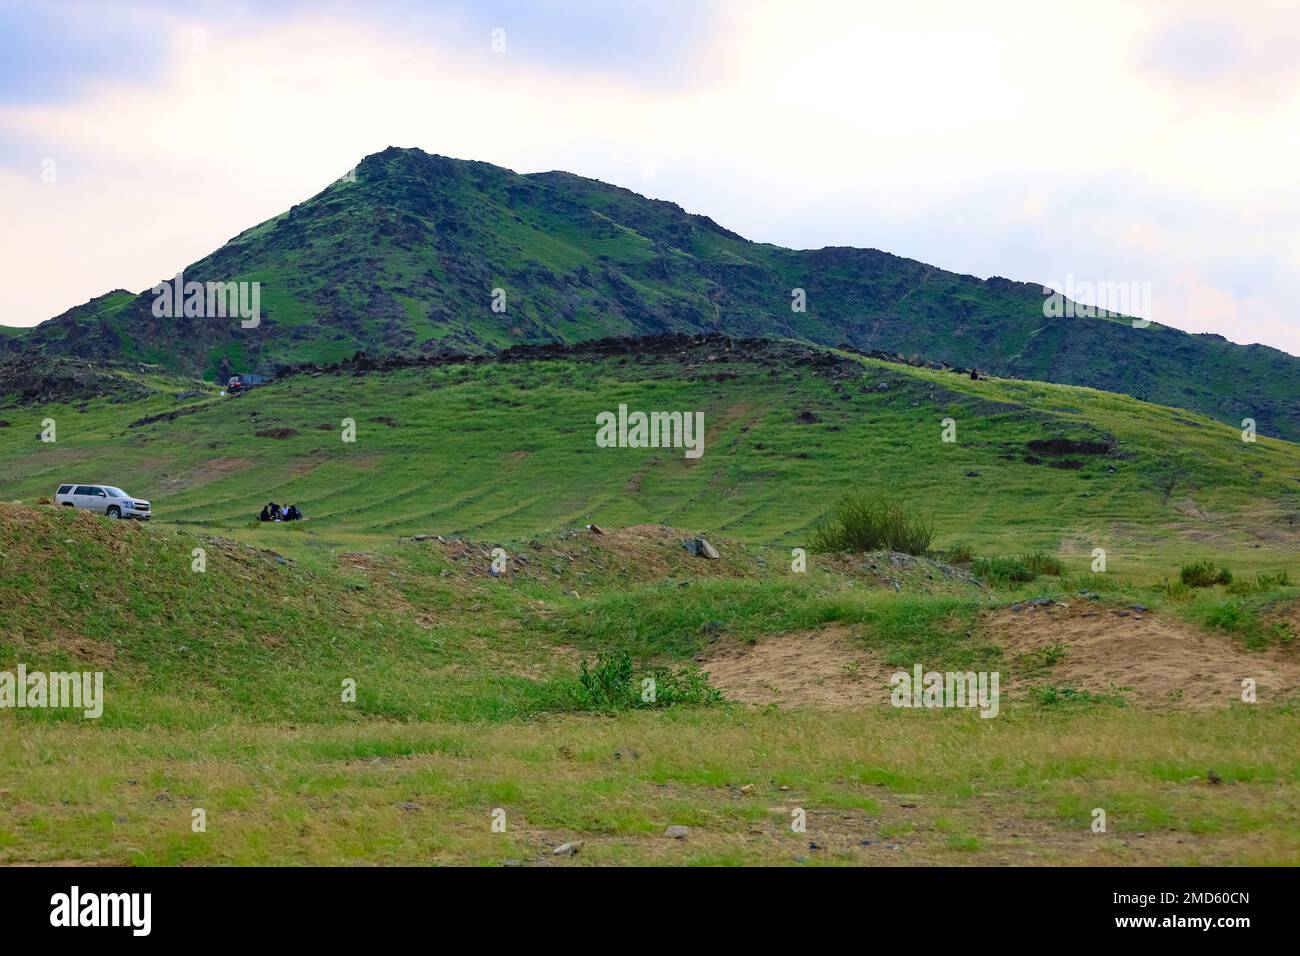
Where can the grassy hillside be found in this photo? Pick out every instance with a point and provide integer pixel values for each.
(503, 451)
(405, 256)
(224, 682)
(222, 692)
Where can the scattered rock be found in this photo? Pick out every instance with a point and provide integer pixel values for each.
(677, 832)
(701, 549)
(595, 529)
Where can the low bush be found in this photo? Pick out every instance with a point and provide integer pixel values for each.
(960, 553)
(1039, 562)
(1204, 574)
(1002, 571)
(860, 522)
(1261, 582)
(1050, 696)
(614, 684)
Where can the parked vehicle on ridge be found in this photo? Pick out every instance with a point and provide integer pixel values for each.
(106, 500)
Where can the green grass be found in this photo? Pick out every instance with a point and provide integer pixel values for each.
(224, 688)
(507, 451)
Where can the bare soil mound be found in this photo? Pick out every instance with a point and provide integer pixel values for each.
(1152, 661)
(827, 669)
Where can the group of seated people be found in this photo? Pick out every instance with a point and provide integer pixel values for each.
(274, 512)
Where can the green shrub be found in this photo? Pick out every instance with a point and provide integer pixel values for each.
(1039, 562)
(1050, 696)
(960, 553)
(1002, 571)
(1204, 574)
(1230, 615)
(860, 522)
(1262, 582)
(614, 684)
(1052, 653)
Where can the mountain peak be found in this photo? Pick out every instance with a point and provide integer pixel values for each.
(419, 253)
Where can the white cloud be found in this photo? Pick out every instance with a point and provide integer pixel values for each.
(1027, 140)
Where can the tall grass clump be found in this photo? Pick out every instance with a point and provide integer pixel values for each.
(1040, 562)
(1204, 574)
(862, 522)
(1001, 572)
(1262, 582)
(960, 553)
(614, 684)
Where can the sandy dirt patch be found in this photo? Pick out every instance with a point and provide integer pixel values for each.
(825, 668)
(1152, 661)
(1148, 660)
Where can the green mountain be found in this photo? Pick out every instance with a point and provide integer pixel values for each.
(404, 257)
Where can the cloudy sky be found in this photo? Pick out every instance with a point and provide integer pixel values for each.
(1092, 141)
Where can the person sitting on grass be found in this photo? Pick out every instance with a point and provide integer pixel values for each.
(294, 513)
(265, 515)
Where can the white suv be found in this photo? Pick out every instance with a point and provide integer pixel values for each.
(102, 499)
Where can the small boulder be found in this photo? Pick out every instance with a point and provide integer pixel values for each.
(701, 548)
(677, 832)
(567, 849)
